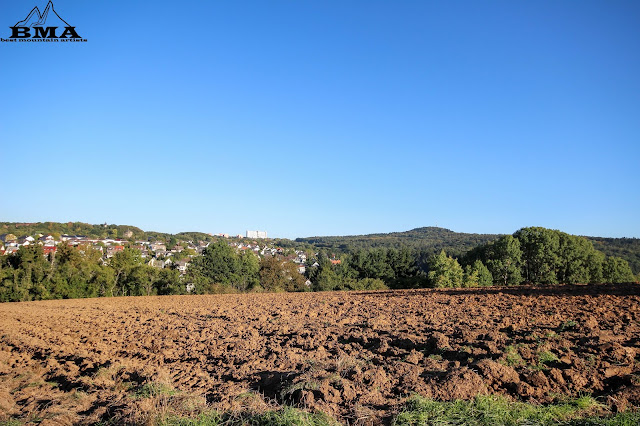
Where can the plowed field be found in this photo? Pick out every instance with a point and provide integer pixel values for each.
(354, 356)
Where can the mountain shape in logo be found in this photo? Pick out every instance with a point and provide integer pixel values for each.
(48, 18)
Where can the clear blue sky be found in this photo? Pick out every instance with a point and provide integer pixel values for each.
(341, 117)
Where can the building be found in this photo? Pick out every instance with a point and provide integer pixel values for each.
(112, 250)
(256, 234)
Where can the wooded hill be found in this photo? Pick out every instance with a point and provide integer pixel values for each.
(101, 231)
(428, 238)
(433, 239)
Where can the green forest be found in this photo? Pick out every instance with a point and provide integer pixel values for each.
(532, 255)
(433, 239)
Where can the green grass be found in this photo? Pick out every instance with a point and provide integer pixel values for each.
(567, 325)
(152, 389)
(485, 410)
(302, 385)
(545, 358)
(512, 357)
(285, 416)
(498, 411)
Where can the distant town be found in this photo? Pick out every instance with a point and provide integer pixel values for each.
(155, 253)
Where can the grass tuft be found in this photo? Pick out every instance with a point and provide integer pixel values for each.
(512, 357)
(153, 389)
(283, 417)
(567, 325)
(496, 410)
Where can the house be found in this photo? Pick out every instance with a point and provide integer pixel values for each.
(112, 250)
(50, 243)
(97, 247)
(156, 263)
(182, 265)
(6, 238)
(335, 261)
(25, 241)
(75, 238)
(49, 250)
(158, 246)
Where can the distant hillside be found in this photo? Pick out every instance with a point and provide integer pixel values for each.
(72, 228)
(194, 236)
(457, 243)
(126, 232)
(427, 238)
(626, 248)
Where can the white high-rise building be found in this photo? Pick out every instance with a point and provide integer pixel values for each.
(256, 234)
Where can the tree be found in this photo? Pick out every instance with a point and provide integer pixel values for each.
(221, 265)
(372, 264)
(405, 268)
(249, 270)
(123, 263)
(575, 256)
(325, 277)
(140, 281)
(445, 271)
(276, 274)
(504, 259)
(168, 282)
(477, 275)
(595, 260)
(540, 254)
(33, 274)
(616, 270)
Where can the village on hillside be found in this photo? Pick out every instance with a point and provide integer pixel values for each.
(154, 253)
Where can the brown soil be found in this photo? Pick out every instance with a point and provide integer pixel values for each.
(354, 356)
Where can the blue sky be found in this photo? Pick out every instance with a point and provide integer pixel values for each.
(307, 118)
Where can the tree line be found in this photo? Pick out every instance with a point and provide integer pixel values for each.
(531, 255)
(79, 272)
(426, 239)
